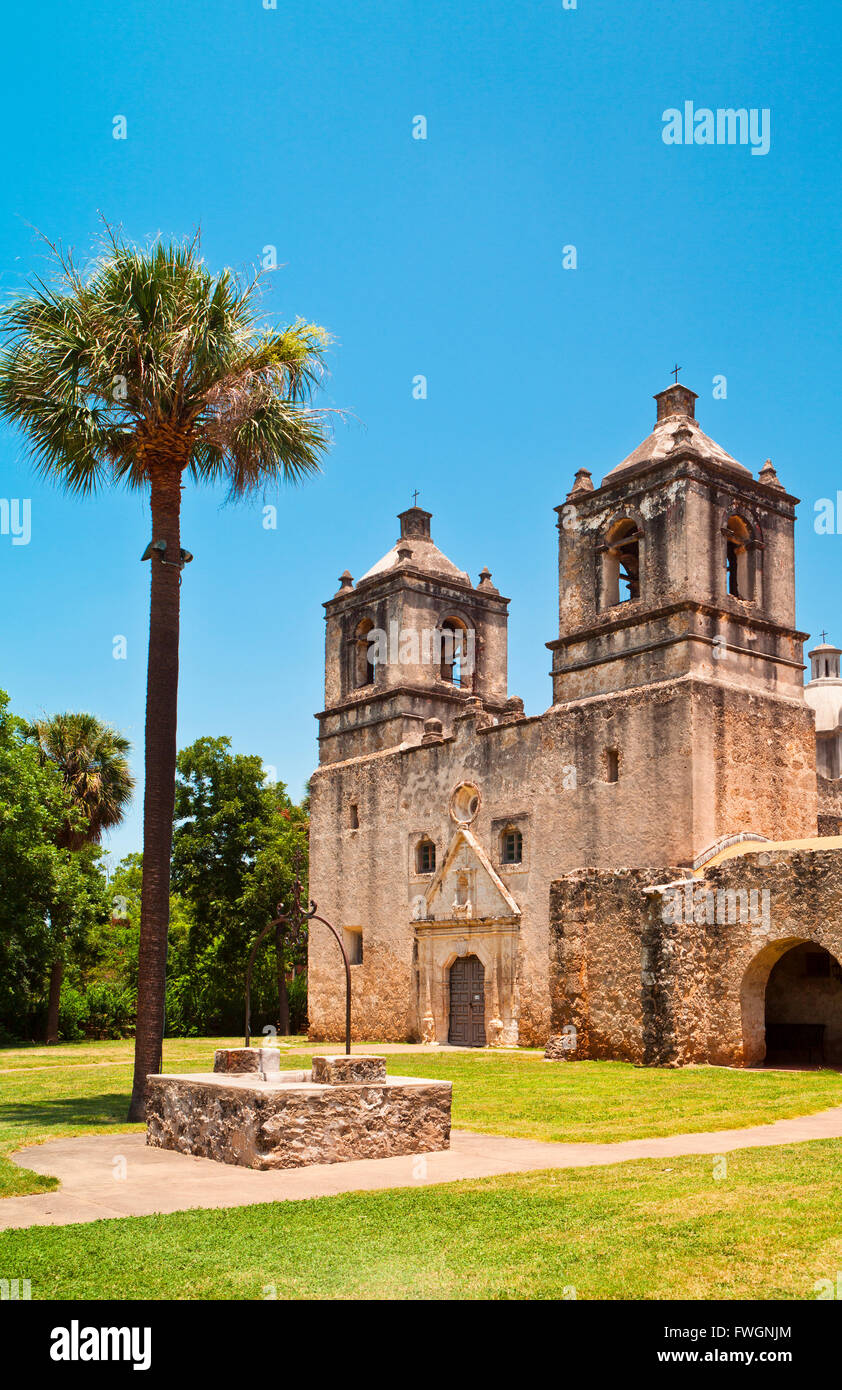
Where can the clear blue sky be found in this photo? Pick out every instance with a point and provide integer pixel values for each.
(293, 127)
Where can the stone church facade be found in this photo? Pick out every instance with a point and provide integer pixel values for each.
(500, 878)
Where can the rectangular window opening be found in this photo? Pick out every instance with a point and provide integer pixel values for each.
(612, 765)
(354, 945)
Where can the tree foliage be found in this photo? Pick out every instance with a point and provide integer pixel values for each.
(234, 851)
(237, 843)
(93, 761)
(45, 888)
(148, 350)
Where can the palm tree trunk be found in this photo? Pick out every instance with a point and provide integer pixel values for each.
(283, 997)
(56, 977)
(159, 792)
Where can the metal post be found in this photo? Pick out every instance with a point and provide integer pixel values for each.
(295, 919)
(249, 968)
(341, 944)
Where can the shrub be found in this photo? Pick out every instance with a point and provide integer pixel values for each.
(72, 1014)
(102, 1010)
(111, 1011)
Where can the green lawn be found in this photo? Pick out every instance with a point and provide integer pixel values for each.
(522, 1095)
(84, 1089)
(76, 1088)
(770, 1229)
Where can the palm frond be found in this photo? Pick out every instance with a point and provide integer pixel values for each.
(93, 761)
(148, 346)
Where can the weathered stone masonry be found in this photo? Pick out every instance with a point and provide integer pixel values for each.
(672, 993)
(443, 820)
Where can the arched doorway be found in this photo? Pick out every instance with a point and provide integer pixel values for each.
(467, 1002)
(804, 1008)
(792, 1006)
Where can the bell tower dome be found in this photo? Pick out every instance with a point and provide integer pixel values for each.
(823, 693)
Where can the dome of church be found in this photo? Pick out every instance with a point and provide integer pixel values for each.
(823, 692)
(675, 432)
(416, 547)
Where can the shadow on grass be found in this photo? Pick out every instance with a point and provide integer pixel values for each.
(65, 1112)
(25, 1122)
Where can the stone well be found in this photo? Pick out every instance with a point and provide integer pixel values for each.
(249, 1112)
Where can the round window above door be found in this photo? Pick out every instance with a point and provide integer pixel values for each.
(464, 803)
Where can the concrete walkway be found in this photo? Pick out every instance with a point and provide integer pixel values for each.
(108, 1175)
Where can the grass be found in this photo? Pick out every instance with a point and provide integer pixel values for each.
(522, 1095)
(83, 1088)
(769, 1228)
(76, 1088)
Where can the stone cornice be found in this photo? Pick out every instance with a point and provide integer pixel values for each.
(684, 464)
(642, 615)
(426, 692)
(420, 581)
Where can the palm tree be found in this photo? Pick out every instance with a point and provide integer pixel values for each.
(93, 762)
(144, 370)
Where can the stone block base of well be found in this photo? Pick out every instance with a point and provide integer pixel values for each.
(290, 1120)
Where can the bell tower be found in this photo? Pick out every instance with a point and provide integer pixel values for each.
(677, 634)
(678, 563)
(413, 640)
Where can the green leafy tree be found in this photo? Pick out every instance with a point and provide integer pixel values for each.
(269, 884)
(233, 849)
(115, 947)
(146, 371)
(44, 887)
(220, 807)
(92, 760)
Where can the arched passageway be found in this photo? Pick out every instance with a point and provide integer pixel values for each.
(792, 1006)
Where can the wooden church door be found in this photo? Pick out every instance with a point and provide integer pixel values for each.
(467, 1002)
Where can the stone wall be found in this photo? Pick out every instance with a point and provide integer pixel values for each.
(644, 982)
(830, 805)
(683, 748)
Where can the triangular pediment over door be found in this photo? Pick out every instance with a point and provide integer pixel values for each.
(467, 887)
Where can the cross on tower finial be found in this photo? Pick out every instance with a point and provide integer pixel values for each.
(676, 369)
(824, 635)
(415, 497)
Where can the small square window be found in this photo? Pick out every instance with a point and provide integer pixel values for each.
(425, 857)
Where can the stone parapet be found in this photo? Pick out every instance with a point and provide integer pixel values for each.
(342, 1070)
(265, 1061)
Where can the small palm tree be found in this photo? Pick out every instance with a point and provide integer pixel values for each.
(93, 762)
(144, 371)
